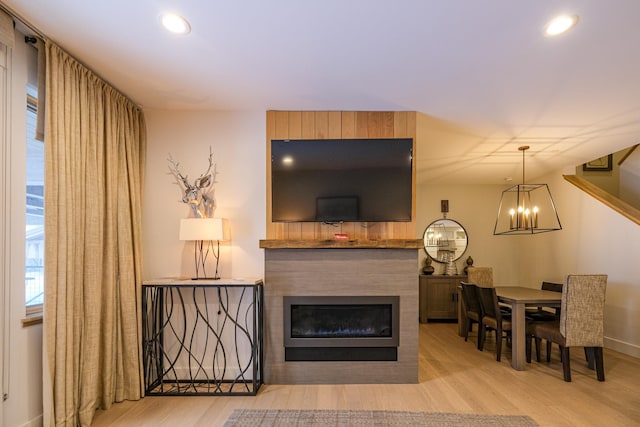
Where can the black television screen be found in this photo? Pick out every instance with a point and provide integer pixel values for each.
(334, 180)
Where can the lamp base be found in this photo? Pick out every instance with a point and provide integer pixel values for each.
(205, 278)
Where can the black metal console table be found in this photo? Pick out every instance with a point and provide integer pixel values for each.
(202, 337)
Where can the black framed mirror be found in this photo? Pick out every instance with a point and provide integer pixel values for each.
(445, 239)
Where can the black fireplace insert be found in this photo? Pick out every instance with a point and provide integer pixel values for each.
(345, 328)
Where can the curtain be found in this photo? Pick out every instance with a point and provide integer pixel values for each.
(95, 141)
(42, 92)
(7, 36)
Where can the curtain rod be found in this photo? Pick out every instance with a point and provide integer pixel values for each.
(44, 38)
(27, 24)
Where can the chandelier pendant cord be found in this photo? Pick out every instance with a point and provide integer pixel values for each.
(523, 150)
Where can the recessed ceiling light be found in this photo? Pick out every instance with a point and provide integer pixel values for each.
(175, 23)
(560, 24)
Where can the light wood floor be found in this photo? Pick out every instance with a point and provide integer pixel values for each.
(454, 377)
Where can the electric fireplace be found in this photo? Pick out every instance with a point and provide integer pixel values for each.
(341, 328)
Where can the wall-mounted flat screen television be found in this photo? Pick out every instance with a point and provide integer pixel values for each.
(340, 180)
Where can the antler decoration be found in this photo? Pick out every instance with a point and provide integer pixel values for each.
(199, 195)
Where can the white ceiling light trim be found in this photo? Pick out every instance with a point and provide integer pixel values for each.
(175, 23)
(560, 24)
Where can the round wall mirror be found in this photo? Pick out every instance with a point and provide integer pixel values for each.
(444, 240)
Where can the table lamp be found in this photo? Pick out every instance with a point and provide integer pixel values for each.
(204, 231)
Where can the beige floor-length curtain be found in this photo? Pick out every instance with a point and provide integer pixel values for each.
(95, 141)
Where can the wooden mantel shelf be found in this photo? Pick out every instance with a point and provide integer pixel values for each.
(343, 244)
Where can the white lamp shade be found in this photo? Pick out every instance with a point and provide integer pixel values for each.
(203, 229)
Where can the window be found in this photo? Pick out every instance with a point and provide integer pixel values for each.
(34, 237)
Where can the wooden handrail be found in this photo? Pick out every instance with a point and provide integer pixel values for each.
(620, 206)
(627, 154)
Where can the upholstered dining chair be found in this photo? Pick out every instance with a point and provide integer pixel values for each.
(472, 309)
(492, 319)
(483, 277)
(480, 276)
(581, 322)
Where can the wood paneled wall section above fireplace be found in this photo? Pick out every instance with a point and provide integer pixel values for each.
(334, 125)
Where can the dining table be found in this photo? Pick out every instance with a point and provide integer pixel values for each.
(520, 297)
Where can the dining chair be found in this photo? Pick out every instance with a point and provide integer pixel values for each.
(540, 314)
(480, 276)
(483, 277)
(492, 319)
(472, 309)
(581, 322)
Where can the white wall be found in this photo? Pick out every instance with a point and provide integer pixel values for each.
(5, 246)
(594, 239)
(24, 404)
(609, 181)
(475, 207)
(630, 179)
(238, 141)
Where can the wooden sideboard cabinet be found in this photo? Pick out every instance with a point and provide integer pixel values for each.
(439, 297)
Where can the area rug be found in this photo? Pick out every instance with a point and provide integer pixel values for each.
(327, 418)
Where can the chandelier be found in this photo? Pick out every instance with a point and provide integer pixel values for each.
(526, 208)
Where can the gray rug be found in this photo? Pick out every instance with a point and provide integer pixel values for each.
(326, 418)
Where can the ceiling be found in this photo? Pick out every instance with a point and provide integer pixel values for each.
(481, 74)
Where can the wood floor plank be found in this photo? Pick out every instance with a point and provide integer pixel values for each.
(454, 377)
